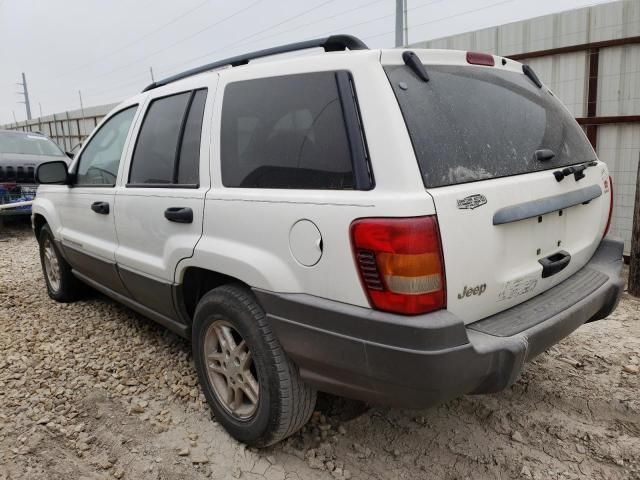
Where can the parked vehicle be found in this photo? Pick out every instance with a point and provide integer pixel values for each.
(20, 155)
(397, 226)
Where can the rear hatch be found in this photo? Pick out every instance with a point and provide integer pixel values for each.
(509, 228)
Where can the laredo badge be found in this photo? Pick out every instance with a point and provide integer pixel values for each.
(471, 202)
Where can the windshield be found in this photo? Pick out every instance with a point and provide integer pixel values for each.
(471, 123)
(13, 142)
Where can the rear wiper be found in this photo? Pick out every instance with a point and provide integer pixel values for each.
(412, 61)
(528, 71)
(577, 171)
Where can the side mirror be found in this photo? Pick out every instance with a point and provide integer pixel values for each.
(52, 173)
(70, 155)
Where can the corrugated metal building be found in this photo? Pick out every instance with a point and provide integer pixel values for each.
(590, 58)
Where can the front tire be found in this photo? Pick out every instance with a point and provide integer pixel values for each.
(62, 285)
(254, 390)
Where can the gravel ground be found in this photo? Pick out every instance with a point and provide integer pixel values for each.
(92, 390)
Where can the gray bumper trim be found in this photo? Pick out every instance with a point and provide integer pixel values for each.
(546, 305)
(419, 361)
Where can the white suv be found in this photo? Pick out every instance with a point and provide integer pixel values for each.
(396, 226)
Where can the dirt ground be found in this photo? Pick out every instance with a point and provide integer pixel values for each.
(92, 390)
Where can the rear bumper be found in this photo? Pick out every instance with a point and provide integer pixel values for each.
(422, 360)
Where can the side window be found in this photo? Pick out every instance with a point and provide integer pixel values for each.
(98, 164)
(285, 132)
(167, 150)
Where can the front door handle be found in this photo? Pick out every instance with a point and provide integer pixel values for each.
(179, 214)
(100, 207)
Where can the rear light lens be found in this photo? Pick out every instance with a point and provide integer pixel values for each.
(400, 263)
(477, 58)
(606, 230)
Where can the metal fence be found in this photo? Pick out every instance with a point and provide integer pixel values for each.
(67, 129)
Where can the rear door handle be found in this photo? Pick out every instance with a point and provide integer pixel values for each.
(100, 207)
(179, 214)
(554, 263)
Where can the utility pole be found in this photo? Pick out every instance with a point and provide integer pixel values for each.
(40, 107)
(401, 23)
(81, 105)
(406, 24)
(15, 120)
(151, 72)
(25, 93)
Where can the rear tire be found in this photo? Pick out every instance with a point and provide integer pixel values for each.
(62, 285)
(233, 345)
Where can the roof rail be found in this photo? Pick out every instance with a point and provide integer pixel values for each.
(333, 43)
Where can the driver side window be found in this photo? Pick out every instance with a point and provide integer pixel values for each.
(98, 164)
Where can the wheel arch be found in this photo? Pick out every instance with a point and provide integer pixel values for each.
(38, 222)
(43, 212)
(196, 282)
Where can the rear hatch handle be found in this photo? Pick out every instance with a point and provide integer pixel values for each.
(542, 206)
(554, 263)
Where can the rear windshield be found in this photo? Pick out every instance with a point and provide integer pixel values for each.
(473, 123)
(27, 144)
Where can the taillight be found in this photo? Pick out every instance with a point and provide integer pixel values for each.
(400, 263)
(606, 230)
(477, 58)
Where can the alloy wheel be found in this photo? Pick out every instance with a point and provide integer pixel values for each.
(231, 370)
(51, 265)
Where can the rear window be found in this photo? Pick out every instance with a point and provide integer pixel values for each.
(27, 144)
(472, 123)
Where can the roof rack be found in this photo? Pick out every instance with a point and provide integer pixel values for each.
(334, 43)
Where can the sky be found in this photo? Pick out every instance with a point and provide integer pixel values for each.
(104, 48)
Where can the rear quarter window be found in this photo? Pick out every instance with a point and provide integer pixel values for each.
(475, 123)
(285, 132)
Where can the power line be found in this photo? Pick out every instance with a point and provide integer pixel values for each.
(184, 39)
(243, 41)
(146, 35)
(345, 27)
(138, 80)
(317, 21)
(232, 45)
(239, 42)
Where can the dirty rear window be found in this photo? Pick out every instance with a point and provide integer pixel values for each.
(473, 123)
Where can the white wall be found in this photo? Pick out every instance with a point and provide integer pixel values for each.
(619, 147)
(566, 76)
